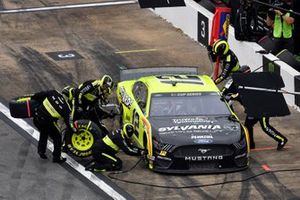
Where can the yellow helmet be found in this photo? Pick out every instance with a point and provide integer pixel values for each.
(106, 84)
(220, 47)
(68, 92)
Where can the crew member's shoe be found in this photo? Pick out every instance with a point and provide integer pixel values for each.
(281, 144)
(59, 160)
(43, 156)
(92, 168)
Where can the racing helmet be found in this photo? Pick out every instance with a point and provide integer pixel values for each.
(128, 130)
(220, 47)
(106, 84)
(68, 92)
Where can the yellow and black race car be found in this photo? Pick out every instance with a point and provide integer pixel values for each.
(182, 121)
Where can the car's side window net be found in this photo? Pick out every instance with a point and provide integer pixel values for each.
(140, 93)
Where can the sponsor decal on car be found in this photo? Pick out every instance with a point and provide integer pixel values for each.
(190, 127)
(203, 141)
(203, 158)
(126, 100)
(202, 137)
(231, 127)
(193, 120)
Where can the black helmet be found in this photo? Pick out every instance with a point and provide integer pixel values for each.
(220, 47)
(128, 130)
(68, 92)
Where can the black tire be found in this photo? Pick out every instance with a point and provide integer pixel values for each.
(80, 144)
(22, 107)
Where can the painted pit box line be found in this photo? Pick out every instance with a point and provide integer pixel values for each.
(70, 161)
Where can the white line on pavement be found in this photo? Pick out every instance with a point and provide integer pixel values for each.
(61, 7)
(70, 161)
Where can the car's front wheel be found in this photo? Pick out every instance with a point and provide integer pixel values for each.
(80, 144)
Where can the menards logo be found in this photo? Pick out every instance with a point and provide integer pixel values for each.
(190, 127)
(127, 101)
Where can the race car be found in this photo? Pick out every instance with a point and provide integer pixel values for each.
(182, 121)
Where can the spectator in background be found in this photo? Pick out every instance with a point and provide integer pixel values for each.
(296, 34)
(282, 24)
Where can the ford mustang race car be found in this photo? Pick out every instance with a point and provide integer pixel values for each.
(182, 121)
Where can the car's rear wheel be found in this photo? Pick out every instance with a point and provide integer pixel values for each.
(80, 144)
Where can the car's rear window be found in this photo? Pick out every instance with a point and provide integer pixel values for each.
(187, 104)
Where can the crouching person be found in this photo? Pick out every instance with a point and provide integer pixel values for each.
(104, 151)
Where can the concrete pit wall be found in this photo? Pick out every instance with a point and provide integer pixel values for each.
(196, 22)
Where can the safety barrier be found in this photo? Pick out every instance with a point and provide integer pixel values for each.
(196, 22)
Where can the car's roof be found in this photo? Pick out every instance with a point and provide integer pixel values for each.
(179, 83)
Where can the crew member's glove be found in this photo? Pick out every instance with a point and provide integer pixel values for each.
(75, 128)
(218, 80)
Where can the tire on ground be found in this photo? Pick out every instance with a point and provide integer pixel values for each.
(22, 107)
(80, 144)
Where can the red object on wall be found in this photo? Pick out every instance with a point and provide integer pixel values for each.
(220, 28)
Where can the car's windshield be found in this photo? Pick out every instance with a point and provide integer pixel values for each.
(184, 104)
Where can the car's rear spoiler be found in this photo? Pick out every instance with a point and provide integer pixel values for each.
(131, 74)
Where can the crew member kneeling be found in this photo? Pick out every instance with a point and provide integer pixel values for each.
(104, 151)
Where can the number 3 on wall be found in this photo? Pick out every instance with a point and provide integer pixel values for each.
(202, 29)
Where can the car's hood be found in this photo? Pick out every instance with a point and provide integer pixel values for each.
(195, 130)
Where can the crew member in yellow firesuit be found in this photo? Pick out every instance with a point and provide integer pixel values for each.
(52, 107)
(231, 92)
(104, 151)
(86, 96)
(230, 62)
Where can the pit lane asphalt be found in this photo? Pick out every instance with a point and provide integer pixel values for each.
(108, 39)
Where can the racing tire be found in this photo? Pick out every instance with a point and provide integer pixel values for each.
(22, 107)
(80, 144)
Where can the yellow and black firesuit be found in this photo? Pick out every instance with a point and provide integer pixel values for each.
(104, 151)
(230, 62)
(267, 128)
(231, 93)
(88, 94)
(52, 107)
